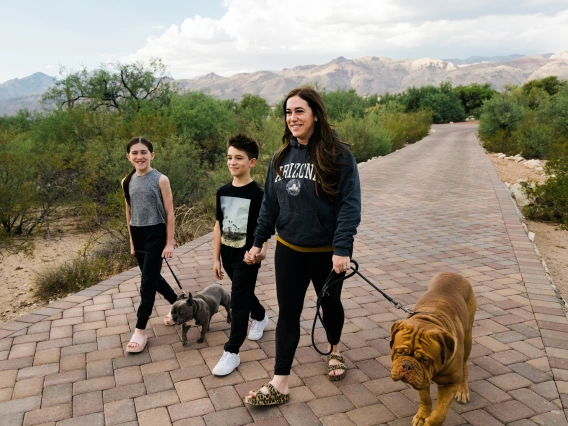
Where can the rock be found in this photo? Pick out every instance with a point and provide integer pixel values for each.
(519, 159)
(538, 169)
(502, 156)
(531, 236)
(518, 193)
(510, 158)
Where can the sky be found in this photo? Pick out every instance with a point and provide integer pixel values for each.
(197, 37)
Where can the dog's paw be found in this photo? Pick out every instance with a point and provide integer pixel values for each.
(200, 340)
(462, 396)
(418, 420)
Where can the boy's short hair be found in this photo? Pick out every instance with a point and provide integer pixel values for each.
(244, 143)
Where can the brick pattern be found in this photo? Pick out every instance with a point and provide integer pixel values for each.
(437, 205)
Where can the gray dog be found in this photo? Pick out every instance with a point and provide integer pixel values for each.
(200, 308)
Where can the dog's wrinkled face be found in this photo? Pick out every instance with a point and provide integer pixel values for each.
(418, 352)
(183, 310)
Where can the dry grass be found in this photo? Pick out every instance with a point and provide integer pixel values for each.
(193, 222)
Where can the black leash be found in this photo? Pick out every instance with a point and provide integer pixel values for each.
(333, 279)
(171, 270)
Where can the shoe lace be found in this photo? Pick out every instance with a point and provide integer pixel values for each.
(224, 358)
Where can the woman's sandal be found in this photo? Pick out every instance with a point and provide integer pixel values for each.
(330, 368)
(272, 398)
(140, 339)
(168, 319)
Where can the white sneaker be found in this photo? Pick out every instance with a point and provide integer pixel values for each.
(257, 328)
(226, 364)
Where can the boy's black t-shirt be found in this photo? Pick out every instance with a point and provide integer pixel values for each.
(237, 213)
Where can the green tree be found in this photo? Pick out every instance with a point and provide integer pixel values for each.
(252, 111)
(204, 120)
(472, 97)
(122, 87)
(442, 101)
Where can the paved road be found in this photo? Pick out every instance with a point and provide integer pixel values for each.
(435, 206)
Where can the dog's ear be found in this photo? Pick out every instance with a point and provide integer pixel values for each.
(394, 328)
(448, 345)
(189, 298)
(181, 297)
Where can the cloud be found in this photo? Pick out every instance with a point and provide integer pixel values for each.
(271, 34)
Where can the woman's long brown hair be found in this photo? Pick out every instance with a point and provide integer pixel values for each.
(126, 182)
(324, 145)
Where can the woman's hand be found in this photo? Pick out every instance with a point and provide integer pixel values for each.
(168, 252)
(340, 263)
(132, 249)
(217, 270)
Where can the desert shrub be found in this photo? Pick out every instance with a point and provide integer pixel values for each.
(534, 138)
(86, 270)
(193, 222)
(500, 117)
(365, 136)
(551, 198)
(402, 128)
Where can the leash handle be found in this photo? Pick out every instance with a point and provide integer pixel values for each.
(330, 281)
(333, 279)
(171, 270)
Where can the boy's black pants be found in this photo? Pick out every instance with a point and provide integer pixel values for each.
(243, 303)
(150, 239)
(294, 270)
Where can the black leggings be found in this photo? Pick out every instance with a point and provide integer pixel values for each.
(243, 303)
(150, 239)
(294, 270)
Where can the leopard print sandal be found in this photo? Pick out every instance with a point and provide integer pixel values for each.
(272, 398)
(331, 368)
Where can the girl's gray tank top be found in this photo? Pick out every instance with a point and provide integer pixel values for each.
(146, 204)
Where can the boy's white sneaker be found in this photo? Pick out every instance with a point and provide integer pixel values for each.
(226, 364)
(257, 328)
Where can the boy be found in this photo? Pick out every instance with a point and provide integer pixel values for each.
(238, 205)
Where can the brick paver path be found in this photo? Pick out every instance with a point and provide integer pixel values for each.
(435, 206)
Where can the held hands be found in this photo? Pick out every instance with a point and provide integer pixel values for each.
(168, 251)
(254, 255)
(340, 263)
(217, 271)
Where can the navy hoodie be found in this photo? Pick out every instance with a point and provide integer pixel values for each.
(301, 217)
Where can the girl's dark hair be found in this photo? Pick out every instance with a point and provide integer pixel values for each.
(126, 182)
(324, 145)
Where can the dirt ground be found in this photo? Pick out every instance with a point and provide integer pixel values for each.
(18, 273)
(550, 240)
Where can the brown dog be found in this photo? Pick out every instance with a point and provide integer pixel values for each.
(434, 345)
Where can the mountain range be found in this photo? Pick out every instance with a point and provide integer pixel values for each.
(367, 75)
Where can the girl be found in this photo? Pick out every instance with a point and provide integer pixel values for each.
(313, 199)
(150, 220)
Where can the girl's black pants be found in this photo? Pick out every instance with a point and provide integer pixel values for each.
(294, 270)
(151, 240)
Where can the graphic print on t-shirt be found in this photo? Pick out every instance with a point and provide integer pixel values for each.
(235, 219)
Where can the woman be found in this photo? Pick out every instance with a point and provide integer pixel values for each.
(313, 200)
